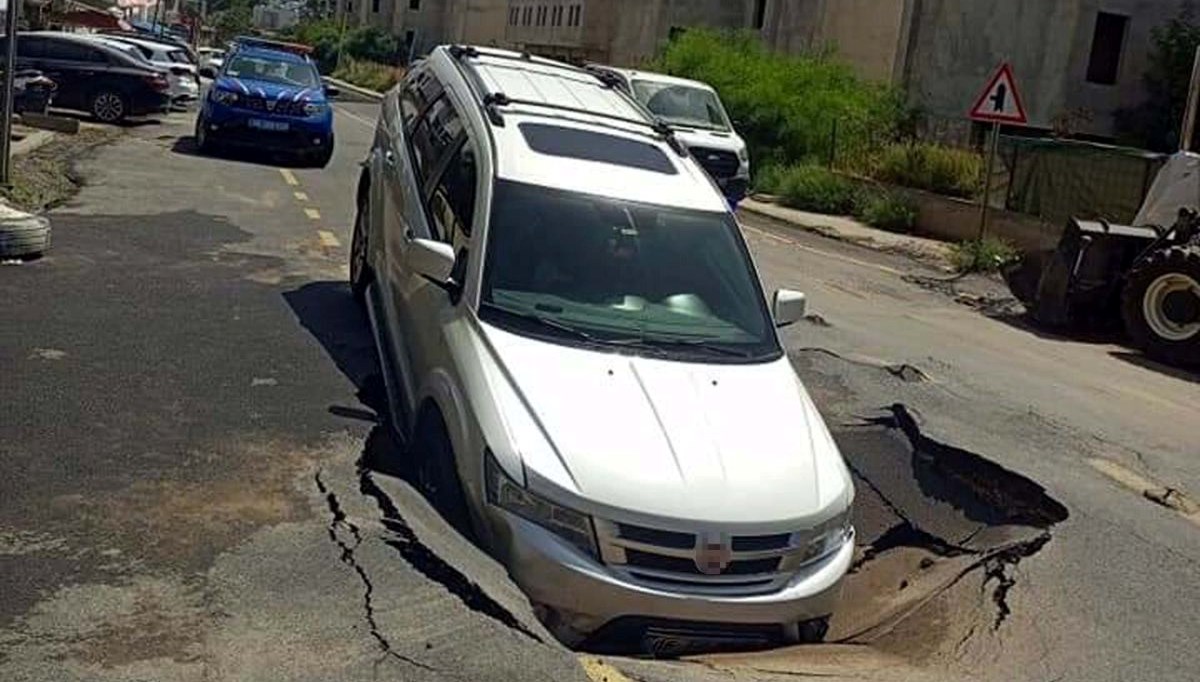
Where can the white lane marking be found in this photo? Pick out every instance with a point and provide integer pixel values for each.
(328, 240)
(300, 196)
(312, 213)
(289, 177)
(827, 254)
(356, 117)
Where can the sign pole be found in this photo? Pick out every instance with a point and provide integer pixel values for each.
(985, 199)
(10, 67)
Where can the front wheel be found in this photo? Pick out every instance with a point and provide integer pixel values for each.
(109, 106)
(321, 157)
(1161, 305)
(204, 142)
(437, 475)
(360, 269)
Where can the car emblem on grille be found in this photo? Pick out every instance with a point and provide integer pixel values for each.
(713, 553)
(270, 105)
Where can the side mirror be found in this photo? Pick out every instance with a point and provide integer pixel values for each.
(789, 307)
(332, 91)
(432, 260)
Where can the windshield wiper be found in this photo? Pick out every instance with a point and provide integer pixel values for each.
(551, 323)
(699, 344)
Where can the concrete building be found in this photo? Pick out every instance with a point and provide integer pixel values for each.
(275, 17)
(624, 32)
(419, 24)
(1076, 61)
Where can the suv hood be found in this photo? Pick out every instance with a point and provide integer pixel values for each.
(270, 90)
(727, 443)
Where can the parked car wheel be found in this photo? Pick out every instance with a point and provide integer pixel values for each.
(360, 270)
(109, 106)
(436, 473)
(24, 237)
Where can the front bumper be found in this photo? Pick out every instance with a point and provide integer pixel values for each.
(302, 135)
(583, 595)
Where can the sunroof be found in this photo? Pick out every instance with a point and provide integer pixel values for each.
(591, 146)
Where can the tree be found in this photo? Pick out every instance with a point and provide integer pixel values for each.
(1155, 122)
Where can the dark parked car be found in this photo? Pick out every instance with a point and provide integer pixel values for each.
(98, 78)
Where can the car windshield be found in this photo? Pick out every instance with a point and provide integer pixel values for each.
(585, 268)
(273, 70)
(682, 104)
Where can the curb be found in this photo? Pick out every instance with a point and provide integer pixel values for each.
(913, 252)
(371, 95)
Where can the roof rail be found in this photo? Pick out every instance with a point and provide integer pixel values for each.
(492, 101)
(294, 48)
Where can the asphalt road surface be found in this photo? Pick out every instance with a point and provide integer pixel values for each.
(195, 487)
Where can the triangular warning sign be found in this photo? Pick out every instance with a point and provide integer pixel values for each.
(1000, 101)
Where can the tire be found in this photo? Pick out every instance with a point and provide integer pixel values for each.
(109, 106)
(24, 237)
(436, 472)
(360, 269)
(1160, 305)
(321, 157)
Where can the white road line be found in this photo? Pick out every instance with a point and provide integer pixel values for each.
(356, 117)
(328, 240)
(300, 196)
(312, 213)
(827, 254)
(289, 177)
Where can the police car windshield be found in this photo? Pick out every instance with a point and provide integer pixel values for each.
(273, 70)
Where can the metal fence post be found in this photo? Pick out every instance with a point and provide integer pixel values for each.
(833, 141)
(10, 67)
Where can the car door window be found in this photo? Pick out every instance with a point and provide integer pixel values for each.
(68, 51)
(31, 48)
(422, 89)
(435, 133)
(452, 202)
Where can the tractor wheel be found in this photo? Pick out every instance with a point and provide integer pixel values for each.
(1161, 305)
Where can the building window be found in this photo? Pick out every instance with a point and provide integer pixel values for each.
(760, 13)
(528, 15)
(1108, 44)
(414, 5)
(375, 6)
(512, 16)
(556, 15)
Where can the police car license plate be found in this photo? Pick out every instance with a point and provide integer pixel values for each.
(267, 125)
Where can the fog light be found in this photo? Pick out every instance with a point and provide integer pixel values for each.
(317, 141)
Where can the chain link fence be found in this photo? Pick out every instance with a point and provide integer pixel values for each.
(1051, 179)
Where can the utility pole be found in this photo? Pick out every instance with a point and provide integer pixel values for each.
(13, 10)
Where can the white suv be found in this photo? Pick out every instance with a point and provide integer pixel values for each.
(577, 348)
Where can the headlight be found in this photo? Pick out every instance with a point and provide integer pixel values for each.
(744, 154)
(313, 108)
(828, 538)
(224, 96)
(568, 524)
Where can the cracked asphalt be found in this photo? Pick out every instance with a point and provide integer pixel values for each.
(195, 487)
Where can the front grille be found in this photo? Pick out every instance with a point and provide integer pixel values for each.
(667, 558)
(671, 564)
(284, 107)
(653, 536)
(719, 163)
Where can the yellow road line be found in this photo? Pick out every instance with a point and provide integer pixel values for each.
(312, 213)
(1139, 484)
(289, 177)
(300, 196)
(328, 239)
(599, 671)
(827, 254)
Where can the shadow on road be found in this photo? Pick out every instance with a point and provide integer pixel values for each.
(186, 146)
(1092, 335)
(1146, 363)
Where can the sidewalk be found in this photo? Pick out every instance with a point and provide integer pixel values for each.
(850, 230)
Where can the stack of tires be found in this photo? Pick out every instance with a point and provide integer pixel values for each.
(22, 235)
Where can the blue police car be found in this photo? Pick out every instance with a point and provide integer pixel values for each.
(268, 96)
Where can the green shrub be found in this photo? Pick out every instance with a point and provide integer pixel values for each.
(784, 105)
(769, 178)
(954, 172)
(370, 75)
(889, 211)
(815, 188)
(986, 255)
